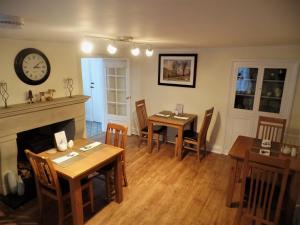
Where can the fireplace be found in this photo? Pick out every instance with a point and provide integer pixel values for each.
(17, 119)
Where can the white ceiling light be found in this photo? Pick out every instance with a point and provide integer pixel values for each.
(136, 46)
(135, 51)
(87, 47)
(111, 49)
(149, 52)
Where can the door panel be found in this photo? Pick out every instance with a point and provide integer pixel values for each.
(117, 91)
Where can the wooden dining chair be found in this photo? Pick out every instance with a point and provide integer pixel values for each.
(143, 125)
(262, 190)
(197, 141)
(116, 135)
(48, 184)
(271, 128)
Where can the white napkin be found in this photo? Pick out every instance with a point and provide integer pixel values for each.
(65, 157)
(181, 117)
(164, 115)
(90, 146)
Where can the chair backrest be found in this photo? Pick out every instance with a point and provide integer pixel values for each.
(141, 112)
(264, 194)
(116, 135)
(271, 128)
(45, 174)
(204, 127)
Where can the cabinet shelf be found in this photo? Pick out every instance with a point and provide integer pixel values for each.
(270, 97)
(246, 95)
(274, 81)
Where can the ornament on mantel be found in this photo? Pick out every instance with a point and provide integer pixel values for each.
(69, 86)
(30, 97)
(4, 93)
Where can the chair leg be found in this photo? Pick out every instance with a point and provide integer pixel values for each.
(157, 141)
(61, 214)
(124, 171)
(140, 140)
(176, 147)
(165, 136)
(108, 185)
(91, 194)
(124, 175)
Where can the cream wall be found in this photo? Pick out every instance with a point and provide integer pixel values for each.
(64, 63)
(212, 85)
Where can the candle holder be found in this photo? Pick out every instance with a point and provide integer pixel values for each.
(69, 86)
(4, 93)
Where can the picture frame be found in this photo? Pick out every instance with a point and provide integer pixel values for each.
(177, 70)
(60, 139)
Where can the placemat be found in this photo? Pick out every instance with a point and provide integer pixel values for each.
(69, 161)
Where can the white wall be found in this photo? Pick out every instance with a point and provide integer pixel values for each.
(64, 63)
(212, 84)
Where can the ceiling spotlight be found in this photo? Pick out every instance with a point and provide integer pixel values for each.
(135, 51)
(111, 49)
(87, 47)
(149, 52)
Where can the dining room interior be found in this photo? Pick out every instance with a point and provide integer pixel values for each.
(150, 112)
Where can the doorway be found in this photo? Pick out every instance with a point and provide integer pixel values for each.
(106, 81)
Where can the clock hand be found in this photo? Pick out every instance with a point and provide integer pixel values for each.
(36, 66)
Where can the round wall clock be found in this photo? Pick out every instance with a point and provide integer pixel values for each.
(32, 66)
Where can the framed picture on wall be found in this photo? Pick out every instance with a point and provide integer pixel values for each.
(177, 70)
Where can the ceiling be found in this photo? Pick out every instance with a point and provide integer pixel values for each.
(163, 23)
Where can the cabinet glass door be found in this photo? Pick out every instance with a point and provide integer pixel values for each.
(272, 88)
(245, 88)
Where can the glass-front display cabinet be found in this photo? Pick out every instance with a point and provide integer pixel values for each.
(259, 88)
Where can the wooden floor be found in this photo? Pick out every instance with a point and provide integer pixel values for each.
(161, 191)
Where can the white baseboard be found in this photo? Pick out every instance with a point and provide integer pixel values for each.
(217, 149)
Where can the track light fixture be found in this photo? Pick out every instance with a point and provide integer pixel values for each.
(135, 51)
(149, 52)
(87, 47)
(112, 47)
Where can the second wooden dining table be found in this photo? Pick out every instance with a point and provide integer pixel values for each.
(169, 119)
(79, 167)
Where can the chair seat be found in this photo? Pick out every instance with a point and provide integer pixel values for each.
(156, 129)
(190, 134)
(65, 187)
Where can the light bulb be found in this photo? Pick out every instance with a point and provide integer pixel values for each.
(111, 49)
(149, 52)
(87, 47)
(135, 51)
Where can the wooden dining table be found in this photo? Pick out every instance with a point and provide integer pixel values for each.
(79, 167)
(169, 119)
(237, 154)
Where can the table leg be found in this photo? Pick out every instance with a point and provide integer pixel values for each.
(179, 143)
(76, 201)
(194, 124)
(231, 182)
(150, 136)
(118, 179)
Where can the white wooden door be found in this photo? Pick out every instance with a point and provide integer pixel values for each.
(117, 92)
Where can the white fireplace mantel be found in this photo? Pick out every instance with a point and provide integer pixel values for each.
(22, 117)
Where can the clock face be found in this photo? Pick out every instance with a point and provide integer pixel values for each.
(32, 66)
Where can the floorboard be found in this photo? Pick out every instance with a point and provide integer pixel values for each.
(161, 191)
